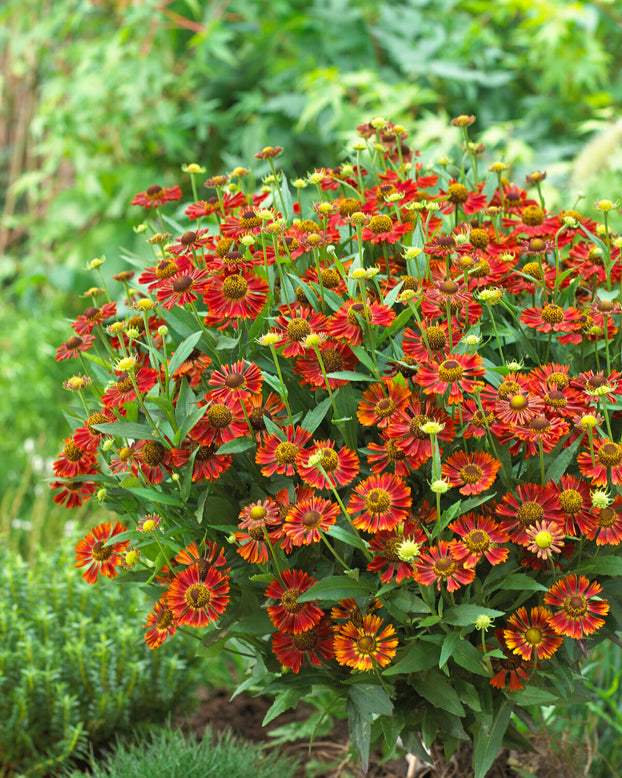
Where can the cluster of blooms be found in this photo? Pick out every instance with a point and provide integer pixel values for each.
(339, 394)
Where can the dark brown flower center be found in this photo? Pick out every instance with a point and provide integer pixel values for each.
(188, 238)
(100, 552)
(575, 605)
(477, 541)
(366, 645)
(289, 601)
(305, 641)
(183, 284)
(153, 453)
(332, 360)
(384, 408)
(311, 519)
(329, 460)
(571, 501)
(457, 194)
(73, 343)
(471, 474)
(552, 314)
(166, 268)
(164, 619)
(444, 566)
(234, 380)
(72, 452)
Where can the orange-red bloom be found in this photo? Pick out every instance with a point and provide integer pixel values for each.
(380, 502)
(161, 624)
(473, 473)
(578, 612)
(437, 564)
(532, 636)
(314, 646)
(288, 615)
(101, 556)
(365, 647)
(456, 374)
(196, 597)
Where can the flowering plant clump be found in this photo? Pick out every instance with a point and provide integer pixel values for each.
(370, 436)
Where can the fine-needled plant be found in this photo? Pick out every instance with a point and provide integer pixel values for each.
(73, 674)
(364, 427)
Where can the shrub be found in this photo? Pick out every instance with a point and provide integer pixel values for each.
(73, 672)
(352, 432)
(169, 753)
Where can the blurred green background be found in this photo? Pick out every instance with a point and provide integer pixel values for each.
(101, 98)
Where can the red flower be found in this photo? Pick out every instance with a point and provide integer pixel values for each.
(387, 455)
(239, 296)
(457, 373)
(382, 229)
(481, 536)
(607, 460)
(405, 429)
(258, 520)
(74, 346)
(350, 321)
(198, 598)
(258, 410)
(73, 493)
(387, 547)
(336, 357)
(532, 637)
(366, 646)
(607, 524)
(511, 663)
(380, 402)
(473, 473)
(531, 504)
(339, 467)
(295, 324)
(540, 431)
(279, 456)
(86, 321)
(75, 461)
(573, 495)
(207, 465)
(380, 502)
(313, 646)
(161, 624)
(550, 318)
(578, 612)
(289, 615)
(237, 381)
(96, 551)
(438, 564)
(183, 289)
(167, 268)
(156, 195)
(123, 390)
(519, 408)
(153, 458)
(308, 519)
(222, 421)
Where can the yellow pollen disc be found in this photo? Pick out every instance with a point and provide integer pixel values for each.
(471, 474)
(234, 287)
(609, 455)
(257, 512)
(533, 636)
(100, 552)
(197, 596)
(543, 539)
(378, 501)
(285, 453)
(518, 402)
(571, 501)
(529, 513)
(450, 370)
(289, 601)
(444, 566)
(384, 408)
(552, 314)
(380, 224)
(366, 645)
(329, 460)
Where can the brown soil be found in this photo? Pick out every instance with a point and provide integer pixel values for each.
(330, 756)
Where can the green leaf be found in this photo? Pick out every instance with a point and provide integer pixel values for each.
(315, 417)
(449, 646)
(534, 696)
(435, 689)
(362, 354)
(360, 733)
(488, 739)
(152, 495)
(422, 656)
(126, 429)
(602, 565)
(521, 582)
(370, 699)
(183, 351)
(464, 615)
(349, 375)
(236, 446)
(284, 701)
(346, 536)
(334, 588)
(560, 463)
(467, 656)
